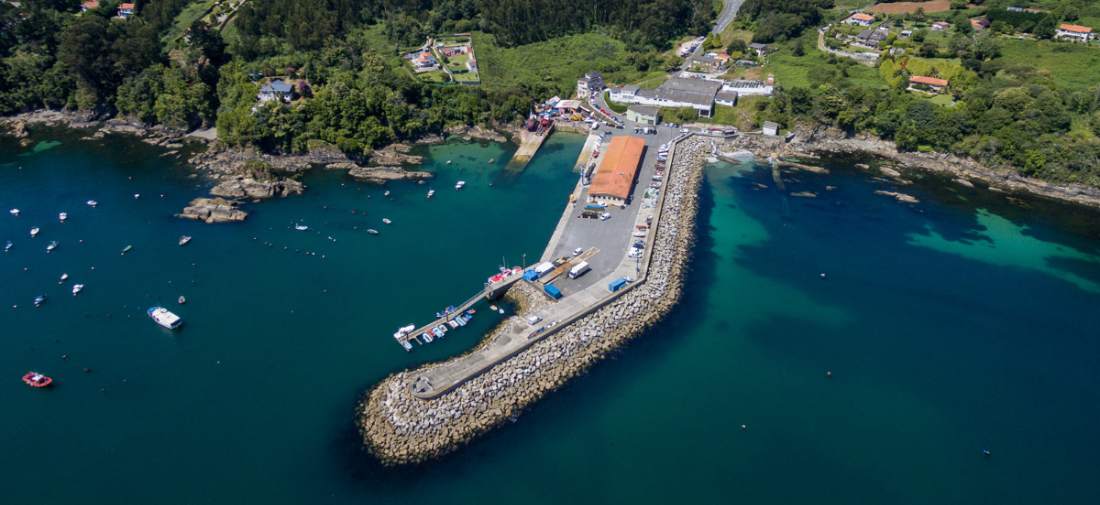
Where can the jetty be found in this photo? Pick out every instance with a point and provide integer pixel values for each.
(490, 292)
(529, 144)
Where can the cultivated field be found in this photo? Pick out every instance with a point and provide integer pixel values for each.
(911, 7)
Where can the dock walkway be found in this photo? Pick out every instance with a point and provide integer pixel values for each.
(460, 309)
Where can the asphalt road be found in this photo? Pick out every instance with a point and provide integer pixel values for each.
(727, 15)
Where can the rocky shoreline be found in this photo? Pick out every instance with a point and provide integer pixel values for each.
(399, 429)
(813, 143)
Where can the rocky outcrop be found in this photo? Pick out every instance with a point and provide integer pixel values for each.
(477, 132)
(400, 429)
(380, 175)
(19, 129)
(241, 186)
(74, 119)
(394, 154)
(901, 197)
(213, 210)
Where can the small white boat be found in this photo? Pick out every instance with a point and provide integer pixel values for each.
(387, 193)
(34, 231)
(448, 162)
(407, 345)
(184, 240)
(500, 310)
(452, 324)
(461, 321)
(52, 246)
(431, 192)
(6, 247)
(92, 203)
(459, 185)
(372, 232)
(164, 318)
(14, 212)
(77, 288)
(64, 277)
(136, 195)
(428, 338)
(182, 300)
(301, 227)
(63, 216)
(387, 221)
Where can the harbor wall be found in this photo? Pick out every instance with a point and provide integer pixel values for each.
(400, 429)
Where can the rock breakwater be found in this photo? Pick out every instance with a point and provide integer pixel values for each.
(399, 429)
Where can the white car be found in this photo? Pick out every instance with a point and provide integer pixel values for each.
(683, 130)
(577, 251)
(605, 216)
(635, 253)
(533, 320)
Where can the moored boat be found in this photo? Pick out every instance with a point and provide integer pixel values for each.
(39, 300)
(63, 216)
(372, 232)
(184, 240)
(77, 288)
(92, 203)
(452, 324)
(430, 192)
(404, 330)
(471, 311)
(426, 335)
(8, 246)
(34, 231)
(182, 300)
(387, 221)
(459, 185)
(37, 380)
(407, 345)
(127, 249)
(14, 212)
(63, 278)
(164, 318)
(460, 320)
(301, 227)
(52, 246)
(387, 193)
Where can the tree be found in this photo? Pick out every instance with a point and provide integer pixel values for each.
(1070, 13)
(959, 4)
(798, 50)
(673, 62)
(918, 15)
(1045, 29)
(962, 23)
(920, 35)
(737, 46)
(928, 49)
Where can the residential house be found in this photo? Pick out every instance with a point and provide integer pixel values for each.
(86, 6)
(935, 84)
(860, 19)
(870, 38)
(425, 60)
(276, 90)
(724, 57)
(771, 128)
(727, 98)
(905, 34)
(761, 49)
(708, 63)
(1074, 32)
(125, 10)
(643, 114)
(979, 23)
(940, 26)
(590, 84)
(471, 64)
(1014, 9)
(623, 94)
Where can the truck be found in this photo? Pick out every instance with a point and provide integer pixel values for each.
(544, 268)
(553, 291)
(579, 269)
(617, 284)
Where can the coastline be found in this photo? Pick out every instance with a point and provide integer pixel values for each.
(398, 428)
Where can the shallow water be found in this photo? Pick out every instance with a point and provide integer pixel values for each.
(960, 324)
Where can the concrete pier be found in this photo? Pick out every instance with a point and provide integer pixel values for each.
(529, 144)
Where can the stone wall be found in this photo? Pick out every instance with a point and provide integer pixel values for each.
(399, 429)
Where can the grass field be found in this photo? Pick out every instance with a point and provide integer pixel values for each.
(796, 70)
(1077, 69)
(739, 116)
(433, 76)
(188, 15)
(941, 99)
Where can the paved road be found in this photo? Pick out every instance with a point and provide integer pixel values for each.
(727, 15)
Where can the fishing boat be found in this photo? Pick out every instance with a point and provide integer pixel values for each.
(460, 320)
(471, 312)
(63, 216)
(77, 288)
(459, 185)
(428, 338)
(430, 192)
(64, 277)
(182, 300)
(8, 246)
(387, 221)
(372, 232)
(127, 249)
(92, 203)
(37, 380)
(426, 335)
(184, 240)
(164, 318)
(301, 227)
(39, 300)
(407, 345)
(14, 212)
(52, 246)
(136, 196)
(34, 231)
(452, 324)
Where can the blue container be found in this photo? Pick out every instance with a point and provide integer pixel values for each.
(554, 291)
(616, 284)
(530, 275)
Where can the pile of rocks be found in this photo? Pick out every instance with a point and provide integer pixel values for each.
(400, 429)
(241, 186)
(380, 175)
(213, 210)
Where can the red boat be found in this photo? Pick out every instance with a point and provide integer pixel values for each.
(37, 380)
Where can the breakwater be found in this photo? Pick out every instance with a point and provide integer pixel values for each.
(400, 429)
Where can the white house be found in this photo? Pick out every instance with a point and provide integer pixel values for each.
(277, 90)
(860, 19)
(623, 94)
(771, 128)
(727, 98)
(590, 84)
(1074, 32)
(936, 85)
(86, 6)
(125, 10)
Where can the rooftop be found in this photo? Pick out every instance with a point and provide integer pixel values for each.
(931, 81)
(863, 17)
(726, 95)
(644, 110)
(1075, 28)
(277, 86)
(618, 168)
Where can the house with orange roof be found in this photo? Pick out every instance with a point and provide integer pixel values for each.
(860, 19)
(86, 6)
(1074, 32)
(125, 10)
(936, 85)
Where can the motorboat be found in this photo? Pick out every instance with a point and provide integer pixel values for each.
(493, 308)
(407, 345)
(441, 329)
(127, 249)
(92, 203)
(471, 312)
(452, 324)
(14, 212)
(182, 300)
(64, 277)
(137, 195)
(8, 246)
(467, 317)
(404, 330)
(387, 221)
(459, 185)
(163, 317)
(39, 300)
(372, 232)
(52, 246)
(387, 193)
(63, 216)
(428, 338)
(34, 231)
(77, 288)
(37, 380)
(184, 240)
(500, 310)
(431, 192)
(301, 227)
(460, 320)
(448, 162)
(490, 160)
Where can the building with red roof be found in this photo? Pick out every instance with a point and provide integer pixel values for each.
(615, 177)
(1074, 32)
(936, 84)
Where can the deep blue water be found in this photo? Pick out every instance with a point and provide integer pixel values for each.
(961, 324)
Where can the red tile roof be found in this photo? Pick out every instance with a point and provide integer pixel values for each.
(618, 168)
(1075, 28)
(90, 5)
(931, 81)
(863, 17)
(126, 6)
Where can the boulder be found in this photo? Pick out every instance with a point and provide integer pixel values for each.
(213, 210)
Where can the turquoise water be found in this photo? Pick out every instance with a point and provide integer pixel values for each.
(961, 324)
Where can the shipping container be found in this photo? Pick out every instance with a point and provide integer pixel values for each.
(578, 270)
(616, 284)
(552, 291)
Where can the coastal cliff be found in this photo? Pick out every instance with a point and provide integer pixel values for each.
(400, 429)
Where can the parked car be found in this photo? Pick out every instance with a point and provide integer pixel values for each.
(577, 251)
(683, 130)
(533, 320)
(605, 216)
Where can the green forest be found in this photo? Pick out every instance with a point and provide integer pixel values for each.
(360, 95)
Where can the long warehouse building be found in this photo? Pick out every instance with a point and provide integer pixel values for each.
(615, 177)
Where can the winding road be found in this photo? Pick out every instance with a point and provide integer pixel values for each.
(727, 15)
